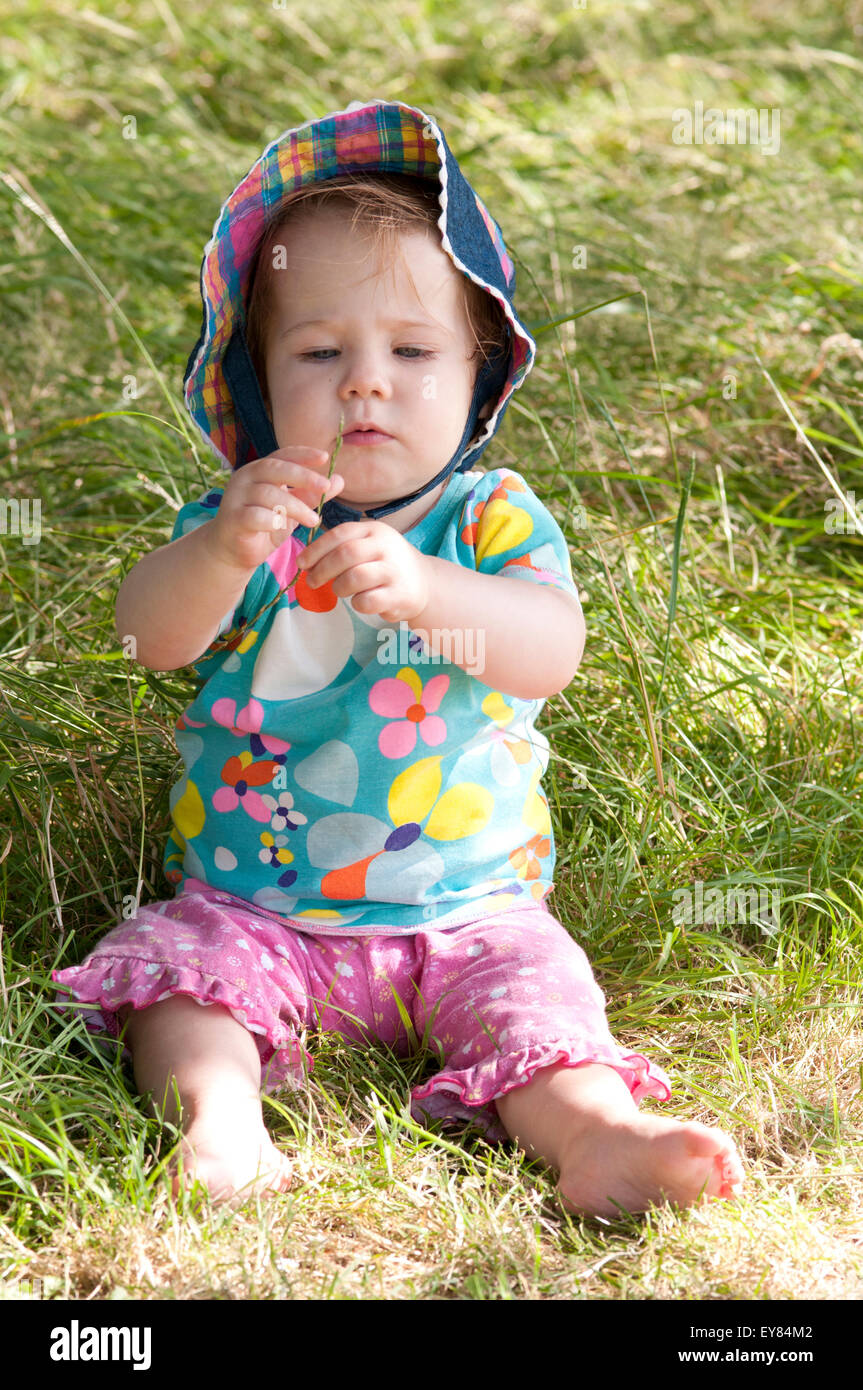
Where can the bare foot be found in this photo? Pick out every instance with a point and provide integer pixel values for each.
(644, 1160)
(233, 1158)
(611, 1158)
(201, 1066)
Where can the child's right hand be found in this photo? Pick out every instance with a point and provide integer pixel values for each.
(266, 500)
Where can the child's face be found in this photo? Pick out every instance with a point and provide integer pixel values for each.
(377, 351)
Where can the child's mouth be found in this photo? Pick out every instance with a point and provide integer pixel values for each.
(366, 437)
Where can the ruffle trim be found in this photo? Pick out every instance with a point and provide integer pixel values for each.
(284, 1060)
(469, 1094)
(466, 1095)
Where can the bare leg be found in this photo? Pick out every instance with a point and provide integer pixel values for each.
(215, 1064)
(583, 1122)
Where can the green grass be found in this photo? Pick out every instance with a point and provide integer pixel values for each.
(687, 435)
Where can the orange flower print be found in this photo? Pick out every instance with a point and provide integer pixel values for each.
(526, 859)
(242, 775)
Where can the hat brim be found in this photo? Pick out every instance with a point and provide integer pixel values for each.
(381, 136)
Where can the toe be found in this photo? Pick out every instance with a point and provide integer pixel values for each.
(730, 1175)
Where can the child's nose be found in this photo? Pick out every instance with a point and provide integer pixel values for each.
(365, 374)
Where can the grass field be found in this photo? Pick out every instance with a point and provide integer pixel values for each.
(695, 421)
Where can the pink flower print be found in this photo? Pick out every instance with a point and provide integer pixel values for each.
(404, 696)
(248, 721)
(284, 816)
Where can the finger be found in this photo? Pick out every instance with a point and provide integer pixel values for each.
(288, 472)
(253, 518)
(334, 485)
(360, 579)
(275, 495)
(327, 541)
(284, 505)
(380, 601)
(359, 550)
(291, 474)
(289, 515)
(317, 499)
(304, 452)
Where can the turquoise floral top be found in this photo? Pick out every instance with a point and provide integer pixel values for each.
(347, 778)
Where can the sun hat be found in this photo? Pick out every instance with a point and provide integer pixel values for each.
(221, 389)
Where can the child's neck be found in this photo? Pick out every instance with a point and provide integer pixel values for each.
(408, 516)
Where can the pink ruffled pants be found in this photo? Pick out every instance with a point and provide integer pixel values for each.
(497, 999)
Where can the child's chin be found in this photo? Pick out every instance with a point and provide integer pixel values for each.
(363, 503)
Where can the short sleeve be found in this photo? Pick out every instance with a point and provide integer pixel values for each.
(198, 513)
(505, 529)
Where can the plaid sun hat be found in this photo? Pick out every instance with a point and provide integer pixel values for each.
(221, 390)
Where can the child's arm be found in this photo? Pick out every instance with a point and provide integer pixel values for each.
(175, 598)
(533, 635)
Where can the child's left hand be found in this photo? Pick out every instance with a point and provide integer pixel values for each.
(374, 565)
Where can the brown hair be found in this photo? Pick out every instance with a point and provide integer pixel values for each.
(386, 205)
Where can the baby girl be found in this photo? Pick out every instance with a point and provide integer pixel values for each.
(360, 841)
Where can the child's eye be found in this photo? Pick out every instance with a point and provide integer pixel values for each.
(412, 354)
